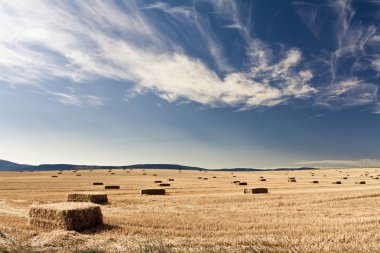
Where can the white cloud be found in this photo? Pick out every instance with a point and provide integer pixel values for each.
(348, 93)
(43, 40)
(364, 163)
(376, 64)
(69, 98)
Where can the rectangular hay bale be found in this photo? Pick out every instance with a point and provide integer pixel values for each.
(97, 198)
(153, 191)
(66, 215)
(164, 184)
(255, 190)
(111, 187)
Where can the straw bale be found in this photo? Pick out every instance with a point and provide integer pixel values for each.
(153, 192)
(66, 215)
(111, 187)
(255, 190)
(94, 197)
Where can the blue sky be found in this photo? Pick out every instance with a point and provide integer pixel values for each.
(206, 83)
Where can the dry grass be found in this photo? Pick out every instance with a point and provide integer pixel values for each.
(201, 216)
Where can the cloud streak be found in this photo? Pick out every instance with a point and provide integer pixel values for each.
(360, 163)
(85, 42)
(42, 41)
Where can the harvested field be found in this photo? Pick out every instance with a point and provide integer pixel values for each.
(199, 216)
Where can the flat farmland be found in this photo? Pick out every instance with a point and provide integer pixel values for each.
(201, 212)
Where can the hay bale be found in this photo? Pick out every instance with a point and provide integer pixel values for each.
(153, 192)
(59, 173)
(292, 179)
(315, 182)
(376, 178)
(171, 179)
(205, 178)
(242, 183)
(233, 176)
(199, 177)
(97, 183)
(66, 215)
(157, 181)
(345, 177)
(78, 175)
(97, 198)
(236, 182)
(255, 190)
(360, 182)
(155, 175)
(214, 177)
(144, 174)
(164, 184)
(113, 173)
(337, 182)
(262, 179)
(110, 187)
(54, 176)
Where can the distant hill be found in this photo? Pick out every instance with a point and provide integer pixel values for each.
(10, 166)
(6, 165)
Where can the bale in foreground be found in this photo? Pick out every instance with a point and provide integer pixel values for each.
(153, 192)
(255, 190)
(97, 198)
(66, 215)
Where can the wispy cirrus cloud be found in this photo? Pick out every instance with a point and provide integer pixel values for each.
(355, 42)
(81, 42)
(360, 163)
(42, 41)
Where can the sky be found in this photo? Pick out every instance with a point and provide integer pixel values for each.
(215, 84)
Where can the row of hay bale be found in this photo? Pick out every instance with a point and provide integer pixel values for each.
(80, 212)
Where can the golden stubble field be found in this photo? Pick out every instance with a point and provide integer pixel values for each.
(200, 215)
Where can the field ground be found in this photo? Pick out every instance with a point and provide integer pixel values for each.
(201, 215)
